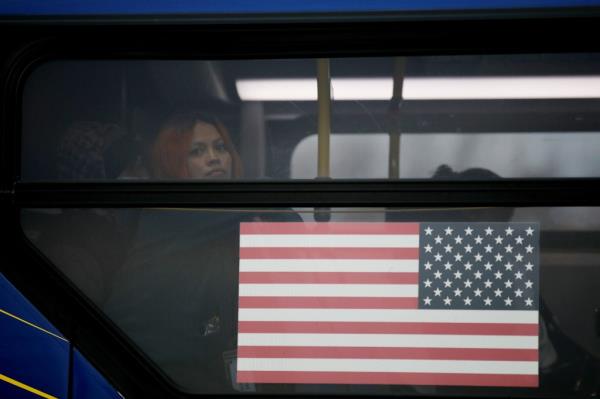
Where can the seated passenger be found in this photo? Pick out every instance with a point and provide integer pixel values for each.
(565, 367)
(194, 146)
(176, 295)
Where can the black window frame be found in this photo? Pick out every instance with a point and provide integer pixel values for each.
(41, 40)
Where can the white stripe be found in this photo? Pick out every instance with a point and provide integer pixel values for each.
(423, 88)
(391, 315)
(390, 340)
(501, 87)
(329, 240)
(330, 265)
(349, 290)
(389, 365)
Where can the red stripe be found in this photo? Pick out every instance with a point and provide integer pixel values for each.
(328, 253)
(310, 327)
(327, 278)
(313, 377)
(278, 302)
(319, 352)
(329, 228)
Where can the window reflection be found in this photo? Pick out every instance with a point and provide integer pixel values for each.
(528, 115)
(169, 280)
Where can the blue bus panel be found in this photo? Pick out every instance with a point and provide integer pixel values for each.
(35, 357)
(168, 7)
(88, 383)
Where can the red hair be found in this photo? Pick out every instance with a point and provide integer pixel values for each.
(169, 153)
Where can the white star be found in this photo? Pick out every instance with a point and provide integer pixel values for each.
(468, 266)
(478, 257)
(457, 292)
(438, 257)
(437, 274)
(448, 231)
(508, 284)
(458, 239)
(498, 257)
(528, 284)
(438, 239)
(447, 301)
(448, 248)
(437, 292)
(428, 248)
(518, 292)
(468, 283)
(518, 257)
(478, 240)
(509, 231)
(489, 231)
(477, 275)
(529, 249)
(499, 240)
(448, 265)
(467, 301)
(498, 292)
(508, 266)
(428, 231)
(488, 266)
(427, 283)
(519, 240)
(457, 274)
(529, 231)
(529, 302)
(427, 301)
(508, 248)
(458, 257)
(468, 231)
(488, 301)
(447, 283)
(529, 266)
(477, 292)
(468, 248)
(488, 283)
(488, 248)
(498, 275)
(508, 301)
(518, 275)
(428, 266)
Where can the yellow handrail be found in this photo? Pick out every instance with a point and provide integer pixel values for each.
(324, 126)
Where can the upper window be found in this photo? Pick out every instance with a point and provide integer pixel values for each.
(385, 118)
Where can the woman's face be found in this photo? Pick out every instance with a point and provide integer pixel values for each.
(208, 157)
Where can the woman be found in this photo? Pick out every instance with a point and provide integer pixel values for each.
(191, 145)
(176, 295)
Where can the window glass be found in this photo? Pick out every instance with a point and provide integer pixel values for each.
(526, 115)
(420, 155)
(460, 301)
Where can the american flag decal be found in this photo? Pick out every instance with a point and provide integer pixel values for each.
(389, 303)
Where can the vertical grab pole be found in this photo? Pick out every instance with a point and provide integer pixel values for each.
(324, 126)
(394, 156)
(324, 130)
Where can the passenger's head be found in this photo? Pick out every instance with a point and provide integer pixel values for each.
(458, 214)
(444, 172)
(194, 146)
(483, 214)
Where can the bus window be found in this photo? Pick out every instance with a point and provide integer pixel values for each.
(521, 116)
(268, 301)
